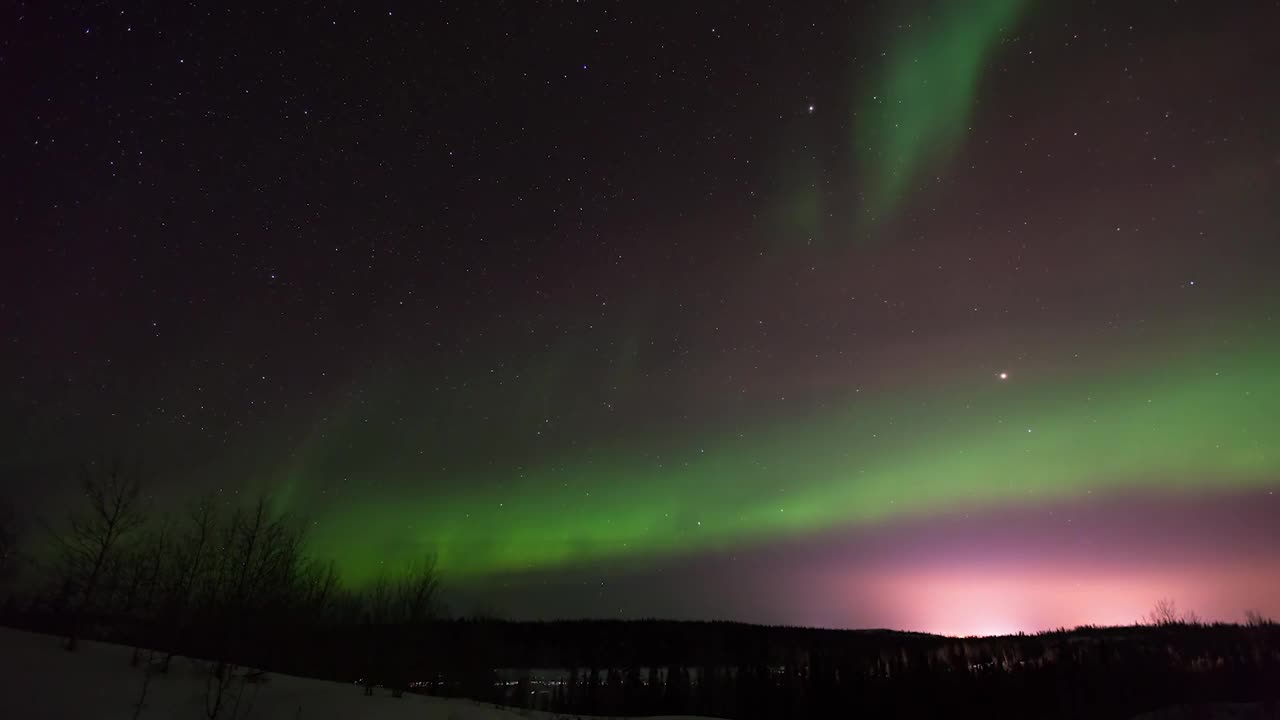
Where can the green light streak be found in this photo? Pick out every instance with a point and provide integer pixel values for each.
(1208, 421)
(920, 105)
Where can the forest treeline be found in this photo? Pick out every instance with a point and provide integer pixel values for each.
(233, 585)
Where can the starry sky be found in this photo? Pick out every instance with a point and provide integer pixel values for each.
(957, 317)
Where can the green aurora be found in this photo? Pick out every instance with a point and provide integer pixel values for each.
(920, 104)
(1205, 421)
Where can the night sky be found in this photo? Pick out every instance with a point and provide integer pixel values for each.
(948, 316)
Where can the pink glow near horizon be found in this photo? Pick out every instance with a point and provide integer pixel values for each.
(1000, 601)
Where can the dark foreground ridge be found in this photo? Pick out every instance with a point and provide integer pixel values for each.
(734, 670)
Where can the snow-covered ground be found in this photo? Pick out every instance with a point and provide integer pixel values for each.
(39, 680)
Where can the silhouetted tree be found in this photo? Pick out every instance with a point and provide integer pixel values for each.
(145, 567)
(1254, 618)
(406, 601)
(94, 536)
(8, 544)
(251, 587)
(193, 556)
(1165, 613)
(415, 591)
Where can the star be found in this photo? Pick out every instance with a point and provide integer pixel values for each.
(1003, 376)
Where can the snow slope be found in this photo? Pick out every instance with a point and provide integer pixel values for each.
(39, 680)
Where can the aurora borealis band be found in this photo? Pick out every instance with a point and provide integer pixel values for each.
(996, 442)
(958, 319)
(923, 99)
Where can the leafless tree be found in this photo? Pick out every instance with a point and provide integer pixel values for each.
(406, 600)
(1165, 613)
(8, 544)
(94, 537)
(143, 564)
(319, 587)
(380, 601)
(147, 563)
(193, 552)
(1254, 618)
(415, 591)
(254, 576)
(417, 602)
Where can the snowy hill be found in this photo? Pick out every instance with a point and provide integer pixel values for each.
(39, 680)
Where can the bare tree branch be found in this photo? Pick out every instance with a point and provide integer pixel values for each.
(89, 547)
